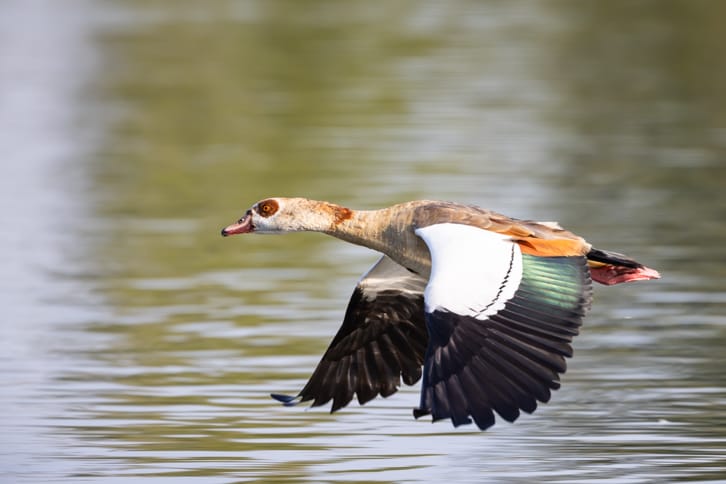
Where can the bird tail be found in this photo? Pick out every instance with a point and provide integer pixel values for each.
(612, 268)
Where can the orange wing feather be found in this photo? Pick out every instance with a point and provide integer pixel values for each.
(551, 247)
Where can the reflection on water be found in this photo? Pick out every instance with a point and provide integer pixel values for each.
(136, 342)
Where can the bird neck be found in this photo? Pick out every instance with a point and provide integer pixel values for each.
(389, 231)
(362, 227)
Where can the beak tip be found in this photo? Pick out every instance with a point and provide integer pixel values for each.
(242, 226)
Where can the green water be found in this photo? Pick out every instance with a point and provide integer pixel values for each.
(138, 344)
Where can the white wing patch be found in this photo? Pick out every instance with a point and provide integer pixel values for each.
(474, 272)
(386, 274)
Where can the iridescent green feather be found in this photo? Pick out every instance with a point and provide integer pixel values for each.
(562, 282)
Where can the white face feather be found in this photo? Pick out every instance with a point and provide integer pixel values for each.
(266, 216)
(282, 215)
(474, 272)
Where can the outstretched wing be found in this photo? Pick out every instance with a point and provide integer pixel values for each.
(500, 323)
(383, 338)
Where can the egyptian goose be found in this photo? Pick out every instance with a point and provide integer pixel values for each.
(482, 305)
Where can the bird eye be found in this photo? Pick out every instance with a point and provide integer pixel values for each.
(267, 208)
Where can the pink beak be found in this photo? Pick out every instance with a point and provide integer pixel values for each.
(243, 226)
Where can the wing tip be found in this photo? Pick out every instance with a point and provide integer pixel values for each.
(287, 400)
(420, 412)
(483, 419)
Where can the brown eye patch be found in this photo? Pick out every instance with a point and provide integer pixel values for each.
(267, 208)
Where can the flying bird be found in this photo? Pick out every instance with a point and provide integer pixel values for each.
(482, 306)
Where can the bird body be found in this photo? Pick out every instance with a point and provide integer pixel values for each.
(481, 305)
